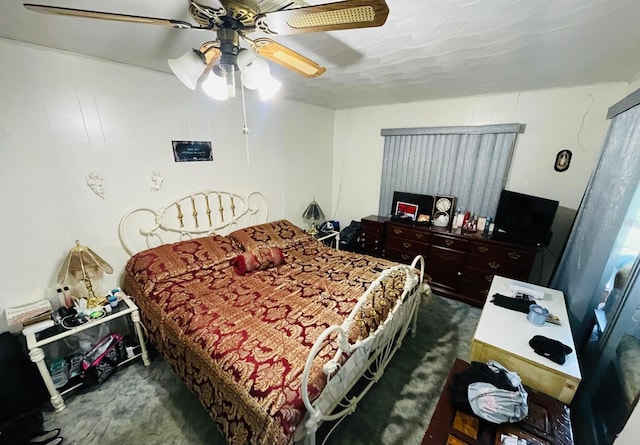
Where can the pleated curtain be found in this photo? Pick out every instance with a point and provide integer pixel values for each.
(604, 211)
(470, 163)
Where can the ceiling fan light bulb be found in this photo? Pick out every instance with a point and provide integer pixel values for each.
(268, 87)
(229, 71)
(188, 68)
(215, 87)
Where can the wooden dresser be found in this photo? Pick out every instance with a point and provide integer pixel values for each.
(460, 266)
(372, 233)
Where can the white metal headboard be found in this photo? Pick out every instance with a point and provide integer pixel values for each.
(197, 214)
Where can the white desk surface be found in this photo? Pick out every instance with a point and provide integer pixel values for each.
(511, 331)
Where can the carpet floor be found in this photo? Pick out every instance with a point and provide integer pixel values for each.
(150, 405)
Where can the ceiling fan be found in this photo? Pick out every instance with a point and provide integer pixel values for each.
(233, 20)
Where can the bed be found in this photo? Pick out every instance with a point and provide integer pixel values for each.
(273, 331)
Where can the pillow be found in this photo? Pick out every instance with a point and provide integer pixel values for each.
(282, 233)
(176, 259)
(260, 259)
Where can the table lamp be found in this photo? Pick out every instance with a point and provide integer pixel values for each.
(82, 264)
(311, 215)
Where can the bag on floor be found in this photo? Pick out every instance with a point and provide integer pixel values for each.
(491, 392)
(102, 359)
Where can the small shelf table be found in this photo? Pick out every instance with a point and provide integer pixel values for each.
(36, 341)
(330, 238)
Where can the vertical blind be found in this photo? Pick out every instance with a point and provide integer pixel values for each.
(470, 163)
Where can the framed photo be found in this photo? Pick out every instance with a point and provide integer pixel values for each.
(406, 210)
(189, 151)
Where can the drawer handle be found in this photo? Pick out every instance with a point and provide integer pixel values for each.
(406, 245)
(419, 235)
(515, 255)
(405, 256)
(483, 248)
(488, 278)
(494, 265)
(449, 242)
(485, 292)
(397, 231)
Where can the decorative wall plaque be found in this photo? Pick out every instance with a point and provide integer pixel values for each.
(189, 151)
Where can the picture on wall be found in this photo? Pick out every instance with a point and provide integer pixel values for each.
(189, 151)
(406, 210)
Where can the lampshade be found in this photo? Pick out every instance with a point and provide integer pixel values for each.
(312, 214)
(217, 66)
(215, 86)
(256, 74)
(81, 264)
(189, 67)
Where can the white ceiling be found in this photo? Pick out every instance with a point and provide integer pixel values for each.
(427, 49)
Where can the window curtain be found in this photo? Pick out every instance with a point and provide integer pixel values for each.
(600, 217)
(470, 163)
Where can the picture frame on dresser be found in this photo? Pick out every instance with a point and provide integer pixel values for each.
(406, 210)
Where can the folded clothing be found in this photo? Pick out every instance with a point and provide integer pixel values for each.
(515, 304)
(548, 347)
(259, 259)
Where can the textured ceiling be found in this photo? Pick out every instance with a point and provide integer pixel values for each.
(427, 49)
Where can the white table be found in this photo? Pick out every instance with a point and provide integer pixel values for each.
(325, 236)
(36, 341)
(503, 335)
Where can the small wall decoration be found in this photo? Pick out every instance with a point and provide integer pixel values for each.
(189, 151)
(156, 180)
(95, 183)
(563, 159)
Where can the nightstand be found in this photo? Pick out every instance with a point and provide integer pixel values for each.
(329, 238)
(40, 343)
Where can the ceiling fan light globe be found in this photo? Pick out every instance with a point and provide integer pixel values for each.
(244, 58)
(268, 87)
(188, 68)
(215, 87)
(255, 73)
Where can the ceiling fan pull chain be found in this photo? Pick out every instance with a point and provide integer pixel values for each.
(245, 129)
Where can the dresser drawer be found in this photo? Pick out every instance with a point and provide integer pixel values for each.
(399, 256)
(395, 231)
(481, 278)
(502, 253)
(373, 228)
(407, 245)
(497, 266)
(450, 242)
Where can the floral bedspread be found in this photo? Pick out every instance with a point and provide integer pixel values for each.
(240, 342)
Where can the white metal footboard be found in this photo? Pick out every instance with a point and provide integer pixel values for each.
(365, 358)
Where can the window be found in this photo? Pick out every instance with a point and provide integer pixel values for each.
(470, 163)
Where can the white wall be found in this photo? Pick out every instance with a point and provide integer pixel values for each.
(572, 118)
(64, 116)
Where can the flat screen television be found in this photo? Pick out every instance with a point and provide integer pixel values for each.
(524, 219)
(410, 206)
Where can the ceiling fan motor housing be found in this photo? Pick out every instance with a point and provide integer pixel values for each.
(229, 46)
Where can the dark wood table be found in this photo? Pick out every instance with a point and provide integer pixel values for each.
(548, 421)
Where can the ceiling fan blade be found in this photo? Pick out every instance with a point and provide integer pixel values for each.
(107, 16)
(348, 14)
(287, 57)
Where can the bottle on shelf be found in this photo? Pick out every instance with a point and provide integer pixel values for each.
(68, 298)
